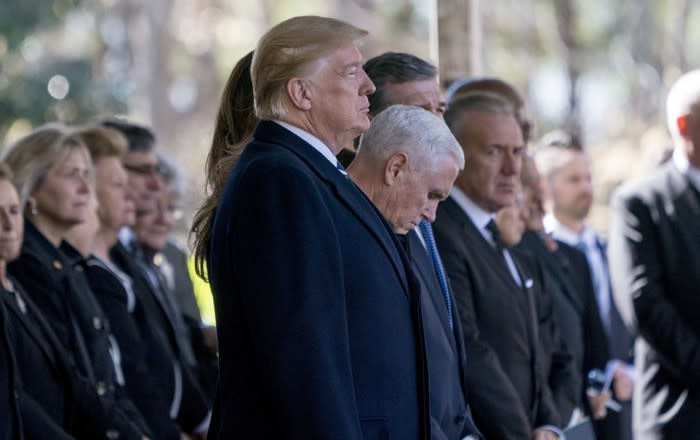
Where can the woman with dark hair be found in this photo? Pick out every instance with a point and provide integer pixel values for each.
(52, 170)
(235, 123)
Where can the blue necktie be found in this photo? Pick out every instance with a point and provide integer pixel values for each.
(429, 238)
(341, 168)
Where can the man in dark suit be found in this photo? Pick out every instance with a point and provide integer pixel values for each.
(402, 78)
(406, 164)
(508, 393)
(567, 282)
(318, 313)
(569, 188)
(167, 345)
(654, 249)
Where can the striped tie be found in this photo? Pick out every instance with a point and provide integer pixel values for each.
(429, 238)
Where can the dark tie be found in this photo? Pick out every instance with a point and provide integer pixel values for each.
(429, 238)
(492, 227)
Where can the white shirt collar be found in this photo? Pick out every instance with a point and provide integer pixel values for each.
(686, 169)
(311, 140)
(567, 235)
(478, 216)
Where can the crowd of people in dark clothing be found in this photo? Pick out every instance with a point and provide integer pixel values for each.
(434, 278)
(104, 334)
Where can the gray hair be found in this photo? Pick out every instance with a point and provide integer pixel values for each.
(476, 102)
(413, 130)
(171, 175)
(684, 95)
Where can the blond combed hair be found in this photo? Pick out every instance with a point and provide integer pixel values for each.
(103, 141)
(31, 157)
(287, 51)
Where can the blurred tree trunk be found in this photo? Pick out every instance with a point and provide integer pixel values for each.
(460, 39)
(565, 12)
(674, 56)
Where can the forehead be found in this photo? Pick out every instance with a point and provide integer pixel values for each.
(489, 128)
(413, 92)
(73, 156)
(346, 55)
(8, 193)
(574, 162)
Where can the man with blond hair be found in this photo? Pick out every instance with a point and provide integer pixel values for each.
(654, 248)
(318, 311)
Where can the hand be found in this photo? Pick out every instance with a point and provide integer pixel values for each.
(623, 383)
(210, 339)
(184, 436)
(545, 434)
(598, 401)
(510, 224)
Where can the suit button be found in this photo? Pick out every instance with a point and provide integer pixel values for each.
(57, 265)
(96, 323)
(101, 388)
(112, 434)
(78, 268)
(459, 420)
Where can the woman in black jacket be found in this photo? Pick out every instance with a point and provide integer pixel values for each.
(52, 171)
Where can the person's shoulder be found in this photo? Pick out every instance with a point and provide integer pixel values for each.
(646, 189)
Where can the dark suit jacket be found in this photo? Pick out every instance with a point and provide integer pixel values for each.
(508, 395)
(55, 400)
(72, 311)
(188, 406)
(10, 428)
(318, 312)
(145, 386)
(654, 249)
(450, 416)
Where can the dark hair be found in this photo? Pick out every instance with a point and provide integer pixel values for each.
(394, 68)
(235, 123)
(495, 86)
(476, 102)
(140, 138)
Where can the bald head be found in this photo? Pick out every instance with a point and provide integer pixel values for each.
(683, 114)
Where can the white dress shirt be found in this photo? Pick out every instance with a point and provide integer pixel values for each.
(313, 141)
(481, 218)
(587, 242)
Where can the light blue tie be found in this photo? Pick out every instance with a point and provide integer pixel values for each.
(429, 238)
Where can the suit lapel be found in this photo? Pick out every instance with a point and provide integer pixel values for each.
(425, 270)
(346, 191)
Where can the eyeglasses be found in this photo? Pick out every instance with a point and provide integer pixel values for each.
(147, 169)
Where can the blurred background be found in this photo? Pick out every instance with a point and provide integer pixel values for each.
(598, 68)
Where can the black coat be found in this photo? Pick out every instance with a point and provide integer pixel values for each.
(654, 250)
(188, 406)
(66, 302)
(507, 391)
(318, 313)
(450, 416)
(10, 428)
(55, 400)
(129, 325)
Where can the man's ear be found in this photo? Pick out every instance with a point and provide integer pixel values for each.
(299, 93)
(682, 123)
(395, 165)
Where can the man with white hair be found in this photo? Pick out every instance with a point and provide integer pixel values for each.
(654, 249)
(318, 314)
(406, 164)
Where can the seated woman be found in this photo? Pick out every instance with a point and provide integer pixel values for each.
(52, 169)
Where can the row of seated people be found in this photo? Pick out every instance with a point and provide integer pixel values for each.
(99, 319)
